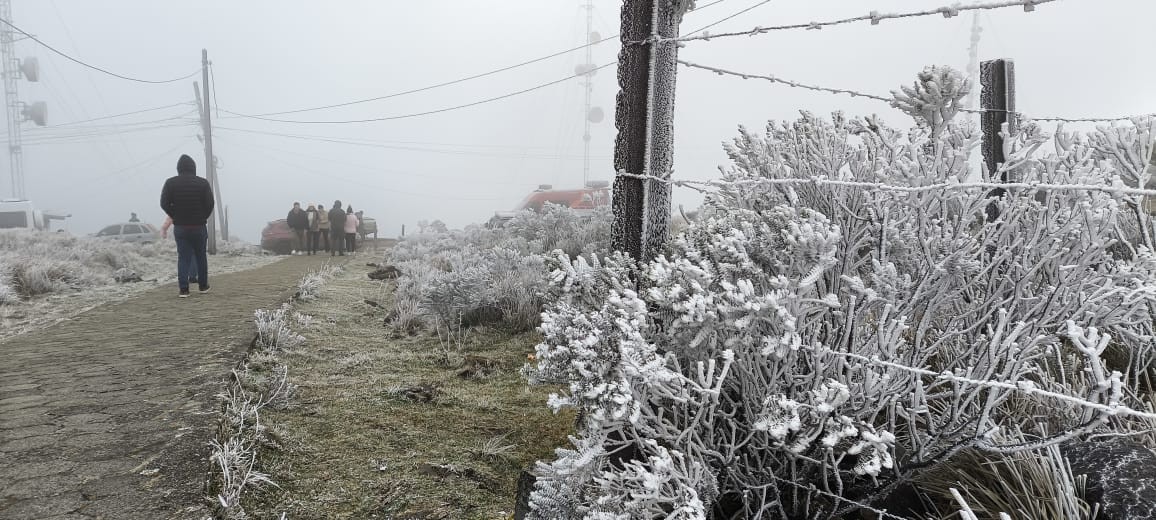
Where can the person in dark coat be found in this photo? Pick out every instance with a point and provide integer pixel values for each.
(337, 229)
(188, 200)
(298, 221)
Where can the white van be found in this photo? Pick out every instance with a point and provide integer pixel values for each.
(22, 214)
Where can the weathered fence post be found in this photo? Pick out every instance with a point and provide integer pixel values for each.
(644, 118)
(998, 101)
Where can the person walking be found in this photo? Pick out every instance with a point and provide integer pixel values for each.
(168, 223)
(298, 222)
(188, 200)
(337, 229)
(323, 224)
(351, 223)
(311, 235)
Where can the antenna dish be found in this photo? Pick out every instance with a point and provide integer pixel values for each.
(595, 115)
(585, 70)
(595, 37)
(36, 112)
(30, 67)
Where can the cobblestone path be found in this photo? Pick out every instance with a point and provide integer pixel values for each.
(108, 415)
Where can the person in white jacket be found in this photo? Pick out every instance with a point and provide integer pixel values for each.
(351, 224)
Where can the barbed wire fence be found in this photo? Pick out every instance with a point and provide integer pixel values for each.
(1113, 406)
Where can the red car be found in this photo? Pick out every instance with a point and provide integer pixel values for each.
(596, 194)
(277, 237)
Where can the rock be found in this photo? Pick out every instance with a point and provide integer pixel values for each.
(126, 275)
(388, 272)
(526, 481)
(1121, 477)
(476, 367)
(421, 393)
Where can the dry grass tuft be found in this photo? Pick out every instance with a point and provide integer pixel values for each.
(387, 428)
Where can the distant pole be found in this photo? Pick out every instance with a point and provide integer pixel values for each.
(643, 116)
(997, 98)
(208, 175)
(588, 87)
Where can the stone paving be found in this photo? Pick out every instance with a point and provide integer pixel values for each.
(108, 415)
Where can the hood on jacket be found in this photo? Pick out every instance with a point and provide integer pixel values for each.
(186, 166)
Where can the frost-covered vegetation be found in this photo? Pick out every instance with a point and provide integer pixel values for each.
(36, 263)
(479, 275)
(805, 351)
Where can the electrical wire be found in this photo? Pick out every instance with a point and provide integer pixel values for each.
(324, 139)
(114, 116)
(328, 175)
(447, 83)
(93, 67)
(150, 160)
(213, 81)
(425, 113)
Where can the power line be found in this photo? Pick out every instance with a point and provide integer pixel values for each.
(876, 97)
(328, 175)
(425, 113)
(149, 160)
(736, 15)
(114, 116)
(467, 105)
(93, 67)
(451, 82)
(371, 144)
(874, 17)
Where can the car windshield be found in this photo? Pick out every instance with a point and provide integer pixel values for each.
(109, 231)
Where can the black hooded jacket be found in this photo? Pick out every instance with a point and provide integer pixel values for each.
(186, 198)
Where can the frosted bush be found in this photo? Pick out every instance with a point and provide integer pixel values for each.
(273, 331)
(486, 275)
(805, 349)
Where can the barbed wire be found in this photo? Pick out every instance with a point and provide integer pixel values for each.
(1026, 387)
(888, 100)
(874, 17)
(876, 186)
(814, 489)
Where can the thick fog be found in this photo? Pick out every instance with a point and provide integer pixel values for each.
(1075, 58)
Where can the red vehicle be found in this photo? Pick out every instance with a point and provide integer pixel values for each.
(596, 194)
(277, 237)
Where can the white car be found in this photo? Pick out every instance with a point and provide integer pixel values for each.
(136, 232)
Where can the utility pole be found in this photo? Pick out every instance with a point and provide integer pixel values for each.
(644, 118)
(210, 159)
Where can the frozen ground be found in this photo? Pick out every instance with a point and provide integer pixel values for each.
(70, 275)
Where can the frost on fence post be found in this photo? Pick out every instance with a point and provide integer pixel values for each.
(644, 117)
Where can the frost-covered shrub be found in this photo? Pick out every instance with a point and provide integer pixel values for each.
(486, 275)
(309, 287)
(273, 331)
(801, 349)
(8, 295)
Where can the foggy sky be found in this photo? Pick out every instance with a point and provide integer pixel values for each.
(1074, 58)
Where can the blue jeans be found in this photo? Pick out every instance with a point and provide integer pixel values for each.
(191, 255)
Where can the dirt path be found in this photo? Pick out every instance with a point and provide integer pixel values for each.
(108, 415)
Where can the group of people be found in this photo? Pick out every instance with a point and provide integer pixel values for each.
(313, 226)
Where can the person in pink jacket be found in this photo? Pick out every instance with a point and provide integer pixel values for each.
(351, 223)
